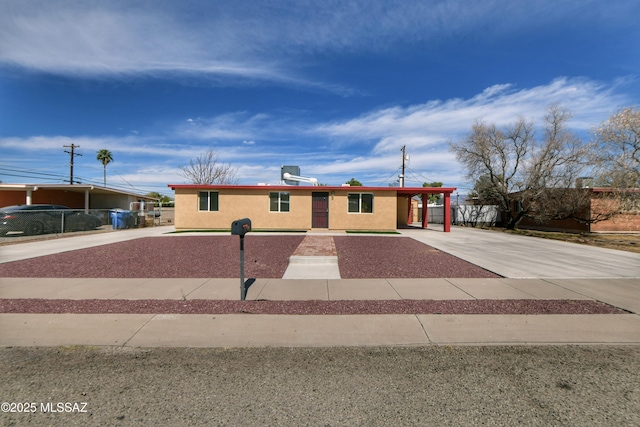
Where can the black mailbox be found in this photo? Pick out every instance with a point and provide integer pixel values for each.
(241, 226)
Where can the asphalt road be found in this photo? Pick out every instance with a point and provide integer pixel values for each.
(432, 386)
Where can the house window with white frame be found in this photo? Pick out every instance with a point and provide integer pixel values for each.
(208, 201)
(360, 203)
(279, 202)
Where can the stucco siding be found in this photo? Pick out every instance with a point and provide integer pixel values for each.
(236, 204)
(383, 217)
(255, 204)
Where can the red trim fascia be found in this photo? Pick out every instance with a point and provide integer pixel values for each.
(412, 191)
(399, 190)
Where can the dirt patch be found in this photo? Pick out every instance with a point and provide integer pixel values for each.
(629, 242)
(363, 257)
(101, 306)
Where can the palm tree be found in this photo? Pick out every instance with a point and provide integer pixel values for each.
(105, 157)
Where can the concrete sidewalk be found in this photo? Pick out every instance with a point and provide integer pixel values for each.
(247, 330)
(256, 330)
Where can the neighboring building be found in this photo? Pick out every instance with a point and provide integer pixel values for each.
(76, 196)
(302, 208)
(626, 218)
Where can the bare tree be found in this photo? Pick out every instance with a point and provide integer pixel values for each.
(516, 170)
(207, 169)
(617, 153)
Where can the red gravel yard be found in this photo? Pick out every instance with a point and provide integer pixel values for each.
(97, 306)
(266, 256)
(364, 257)
(166, 256)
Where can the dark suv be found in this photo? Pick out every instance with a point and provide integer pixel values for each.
(41, 219)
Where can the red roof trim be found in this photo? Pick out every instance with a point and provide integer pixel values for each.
(398, 190)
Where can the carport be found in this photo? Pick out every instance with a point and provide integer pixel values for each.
(409, 193)
(76, 196)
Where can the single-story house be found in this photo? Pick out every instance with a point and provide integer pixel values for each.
(284, 207)
(76, 196)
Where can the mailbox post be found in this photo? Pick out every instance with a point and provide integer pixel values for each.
(240, 227)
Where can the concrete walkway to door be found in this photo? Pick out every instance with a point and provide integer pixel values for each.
(315, 258)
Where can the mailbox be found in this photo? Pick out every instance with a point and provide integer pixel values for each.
(241, 226)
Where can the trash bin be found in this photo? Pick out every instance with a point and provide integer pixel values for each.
(120, 218)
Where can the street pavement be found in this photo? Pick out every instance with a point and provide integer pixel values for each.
(531, 269)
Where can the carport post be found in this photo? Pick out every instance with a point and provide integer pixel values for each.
(425, 209)
(86, 201)
(447, 212)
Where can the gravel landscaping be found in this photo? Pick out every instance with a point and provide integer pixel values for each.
(166, 256)
(364, 257)
(265, 257)
(151, 306)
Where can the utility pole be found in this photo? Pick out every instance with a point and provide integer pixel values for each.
(404, 147)
(72, 154)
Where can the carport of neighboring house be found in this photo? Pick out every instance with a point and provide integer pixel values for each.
(283, 207)
(76, 196)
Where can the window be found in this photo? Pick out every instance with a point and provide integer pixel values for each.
(279, 202)
(361, 203)
(208, 201)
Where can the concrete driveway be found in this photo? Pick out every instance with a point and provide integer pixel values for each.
(529, 257)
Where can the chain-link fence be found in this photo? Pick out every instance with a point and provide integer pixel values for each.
(37, 220)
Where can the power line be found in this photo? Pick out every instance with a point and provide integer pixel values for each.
(420, 175)
(34, 172)
(27, 176)
(51, 177)
(392, 175)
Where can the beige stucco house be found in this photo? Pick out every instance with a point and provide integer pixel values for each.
(303, 208)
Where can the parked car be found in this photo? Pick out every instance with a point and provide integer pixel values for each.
(43, 219)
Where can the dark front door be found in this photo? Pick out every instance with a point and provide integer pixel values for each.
(320, 210)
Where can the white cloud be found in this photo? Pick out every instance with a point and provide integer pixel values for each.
(434, 123)
(257, 40)
(427, 128)
(365, 147)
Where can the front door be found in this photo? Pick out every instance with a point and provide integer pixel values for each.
(320, 210)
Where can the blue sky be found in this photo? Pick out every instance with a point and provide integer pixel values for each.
(336, 87)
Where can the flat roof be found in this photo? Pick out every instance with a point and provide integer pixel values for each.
(78, 188)
(398, 190)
